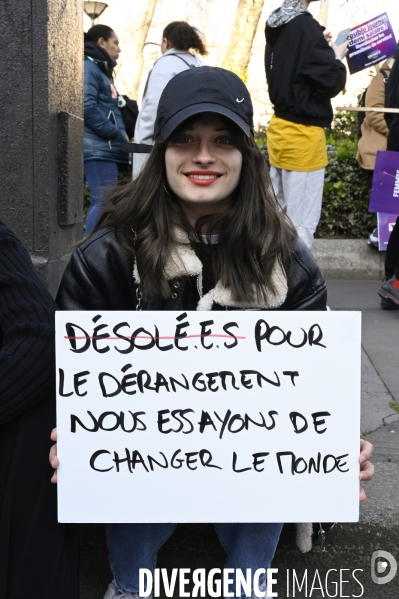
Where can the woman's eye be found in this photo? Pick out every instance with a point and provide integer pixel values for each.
(182, 139)
(225, 140)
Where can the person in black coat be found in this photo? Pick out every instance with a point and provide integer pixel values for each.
(389, 292)
(38, 555)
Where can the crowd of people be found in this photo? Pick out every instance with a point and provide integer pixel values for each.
(197, 227)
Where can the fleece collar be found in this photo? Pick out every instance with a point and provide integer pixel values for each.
(184, 262)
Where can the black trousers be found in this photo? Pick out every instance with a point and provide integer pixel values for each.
(392, 255)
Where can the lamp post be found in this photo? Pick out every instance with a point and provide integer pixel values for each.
(94, 9)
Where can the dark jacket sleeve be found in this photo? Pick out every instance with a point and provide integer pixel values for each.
(393, 121)
(393, 135)
(307, 288)
(27, 367)
(325, 74)
(95, 119)
(79, 289)
(98, 276)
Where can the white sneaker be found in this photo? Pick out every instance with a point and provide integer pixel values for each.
(373, 239)
(114, 593)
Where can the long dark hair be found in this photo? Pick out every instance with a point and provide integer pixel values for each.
(253, 232)
(184, 37)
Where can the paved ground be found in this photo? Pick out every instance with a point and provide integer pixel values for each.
(349, 546)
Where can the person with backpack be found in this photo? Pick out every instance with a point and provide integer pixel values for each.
(178, 38)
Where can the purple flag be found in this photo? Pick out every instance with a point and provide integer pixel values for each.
(370, 43)
(385, 188)
(385, 223)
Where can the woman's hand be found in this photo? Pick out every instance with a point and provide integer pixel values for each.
(366, 467)
(340, 51)
(328, 36)
(53, 455)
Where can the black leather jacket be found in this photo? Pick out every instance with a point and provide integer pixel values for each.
(99, 276)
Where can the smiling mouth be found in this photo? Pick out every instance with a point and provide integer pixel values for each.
(202, 178)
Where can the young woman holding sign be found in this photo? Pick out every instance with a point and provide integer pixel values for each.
(199, 229)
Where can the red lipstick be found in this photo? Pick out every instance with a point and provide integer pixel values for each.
(202, 178)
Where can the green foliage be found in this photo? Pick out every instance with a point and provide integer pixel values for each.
(346, 187)
(344, 128)
(260, 136)
(345, 198)
(394, 405)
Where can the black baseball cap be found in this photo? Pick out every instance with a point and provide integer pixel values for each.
(203, 89)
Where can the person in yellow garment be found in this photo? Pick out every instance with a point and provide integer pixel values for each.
(303, 73)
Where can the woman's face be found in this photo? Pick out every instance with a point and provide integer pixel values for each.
(203, 167)
(111, 45)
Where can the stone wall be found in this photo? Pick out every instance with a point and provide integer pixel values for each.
(41, 77)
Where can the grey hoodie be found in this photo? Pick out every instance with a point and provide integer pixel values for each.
(288, 11)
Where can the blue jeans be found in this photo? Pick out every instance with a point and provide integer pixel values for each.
(135, 546)
(100, 175)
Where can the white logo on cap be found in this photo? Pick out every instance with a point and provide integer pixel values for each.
(239, 101)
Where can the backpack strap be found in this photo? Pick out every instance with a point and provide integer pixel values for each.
(190, 66)
(385, 75)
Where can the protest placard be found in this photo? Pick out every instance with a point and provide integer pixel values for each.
(385, 224)
(370, 43)
(385, 188)
(232, 416)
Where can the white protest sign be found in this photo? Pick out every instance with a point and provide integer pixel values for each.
(227, 416)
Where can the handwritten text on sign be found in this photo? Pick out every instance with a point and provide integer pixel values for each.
(208, 416)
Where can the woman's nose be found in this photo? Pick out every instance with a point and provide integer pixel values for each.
(204, 155)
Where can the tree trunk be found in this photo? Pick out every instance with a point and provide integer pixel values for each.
(202, 9)
(323, 13)
(141, 36)
(246, 21)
